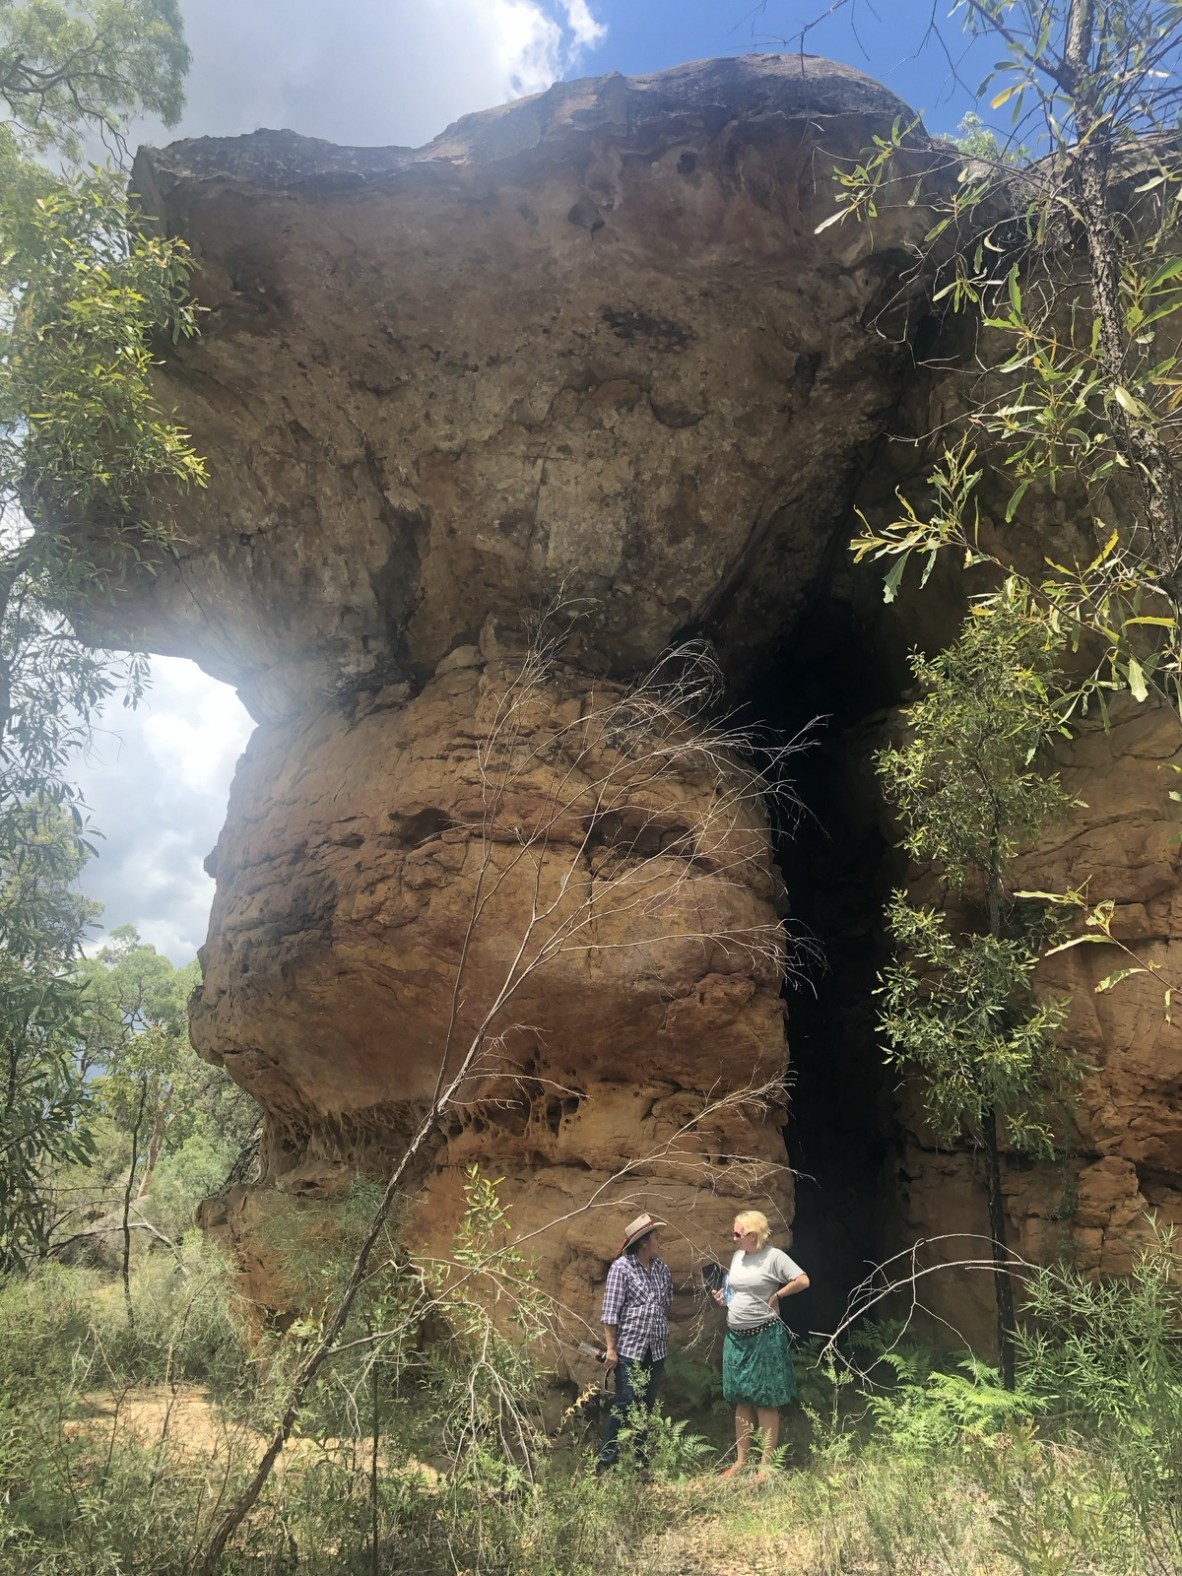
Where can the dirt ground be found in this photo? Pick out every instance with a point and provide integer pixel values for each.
(186, 1422)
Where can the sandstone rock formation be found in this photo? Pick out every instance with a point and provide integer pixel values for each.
(587, 347)
(590, 348)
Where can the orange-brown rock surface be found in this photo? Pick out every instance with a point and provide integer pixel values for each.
(588, 341)
(498, 857)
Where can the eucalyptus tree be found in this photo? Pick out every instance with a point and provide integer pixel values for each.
(42, 1090)
(1059, 248)
(959, 1004)
(84, 448)
(166, 1126)
(88, 461)
(135, 1036)
(1067, 258)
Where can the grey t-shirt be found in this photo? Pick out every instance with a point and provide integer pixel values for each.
(753, 1278)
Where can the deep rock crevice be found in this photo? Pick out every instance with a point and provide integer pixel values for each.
(832, 685)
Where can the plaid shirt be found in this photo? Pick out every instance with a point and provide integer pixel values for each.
(637, 1301)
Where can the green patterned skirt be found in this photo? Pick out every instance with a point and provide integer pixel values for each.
(757, 1368)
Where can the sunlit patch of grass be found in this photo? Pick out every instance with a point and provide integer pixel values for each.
(870, 1516)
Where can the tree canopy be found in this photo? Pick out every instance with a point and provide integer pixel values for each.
(85, 289)
(1067, 259)
(68, 70)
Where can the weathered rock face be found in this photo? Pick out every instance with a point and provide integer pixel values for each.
(588, 341)
(586, 347)
(388, 878)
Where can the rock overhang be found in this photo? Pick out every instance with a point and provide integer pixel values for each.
(588, 345)
(591, 348)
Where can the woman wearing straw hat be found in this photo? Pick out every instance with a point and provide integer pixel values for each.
(758, 1376)
(636, 1330)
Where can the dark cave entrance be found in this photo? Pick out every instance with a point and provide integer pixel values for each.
(838, 868)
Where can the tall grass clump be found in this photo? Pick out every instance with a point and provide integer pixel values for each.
(97, 1474)
(1105, 1359)
(424, 1446)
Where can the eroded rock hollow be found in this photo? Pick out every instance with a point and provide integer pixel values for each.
(585, 352)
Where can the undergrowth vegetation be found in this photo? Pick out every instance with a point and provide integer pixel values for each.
(433, 1444)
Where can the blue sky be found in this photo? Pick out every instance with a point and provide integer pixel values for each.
(886, 40)
(382, 71)
(398, 71)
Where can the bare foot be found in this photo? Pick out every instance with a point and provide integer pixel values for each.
(734, 1470)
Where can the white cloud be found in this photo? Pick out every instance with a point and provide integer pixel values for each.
(196, 729)
(156, 781)
(371, 72)
(585, 30)
(527, 42)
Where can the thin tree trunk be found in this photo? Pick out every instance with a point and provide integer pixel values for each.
(127, 1194)
(375, 1557)
(156, 1137)
(316, 1359)
(1003, 1285)
(1091, 159)
(11, 569)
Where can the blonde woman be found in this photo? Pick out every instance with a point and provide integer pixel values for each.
(758, 1377)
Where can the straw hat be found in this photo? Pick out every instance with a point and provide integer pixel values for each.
(640, 1227)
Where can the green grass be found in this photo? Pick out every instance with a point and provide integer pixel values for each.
(121, 1443)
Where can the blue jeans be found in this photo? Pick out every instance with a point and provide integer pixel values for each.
(637, 1381)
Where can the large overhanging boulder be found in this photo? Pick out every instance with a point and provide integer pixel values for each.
(535, 867)
(587, 352)
(589, 342)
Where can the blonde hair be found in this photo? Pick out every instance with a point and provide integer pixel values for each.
(755, 1220)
